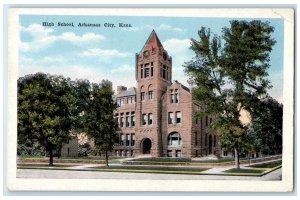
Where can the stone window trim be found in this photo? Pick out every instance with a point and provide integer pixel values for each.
(150, 119)
(171, 120)
(174, 140)
(144, 119)
(126, 120)
(178, 117)
(174, 96)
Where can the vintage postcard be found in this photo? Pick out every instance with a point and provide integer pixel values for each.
(120, 99)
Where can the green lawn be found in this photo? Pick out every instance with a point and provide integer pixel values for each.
(92, 160)
(268, 165)
(44, 165)
(181, 161)
(151, 169)
(243, 171)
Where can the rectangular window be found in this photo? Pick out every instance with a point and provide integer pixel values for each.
(178, 117)
(147, 72)
(119, 102)
(206, 121)
(127, 140)
(141, 73)
(144, 119)
(164, 72)
(170, 118)
(131, 100)
(150, 118)
(127, 121)
(169, 153)
(176, 96)
(196, 138)
(196, 120)
(172, 98)
(150, 95)
(122, 102)
(178, 154)
(210, 120)
(122, 122)
(142, 96)
(132, 139)
(132, 121)
(122, 140)
(151, 71)
(225, 153)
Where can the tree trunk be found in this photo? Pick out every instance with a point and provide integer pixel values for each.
(51, 157)
(237, 158)
(106, 158)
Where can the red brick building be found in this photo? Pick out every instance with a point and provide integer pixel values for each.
(157, 117)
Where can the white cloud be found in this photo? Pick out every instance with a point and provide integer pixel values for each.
(131, 29)
(180, 52)
(164, 27)
(41, 38)
(73, 38)
(37, 30)
(177, 46)
(31, 66)
(104, 52)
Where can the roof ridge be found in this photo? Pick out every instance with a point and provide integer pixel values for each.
(152, 39)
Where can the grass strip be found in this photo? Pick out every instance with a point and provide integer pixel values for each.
(148, 169)
(267, 165)
(244, 171)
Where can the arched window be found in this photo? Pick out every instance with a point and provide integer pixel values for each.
(150, 92)
(174, 140)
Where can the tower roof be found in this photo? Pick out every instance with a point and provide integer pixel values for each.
(152, 42)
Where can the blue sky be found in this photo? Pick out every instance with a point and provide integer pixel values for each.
(98, 53)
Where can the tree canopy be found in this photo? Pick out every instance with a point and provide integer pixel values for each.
(100, 123)
(43, 111)
(229, 73)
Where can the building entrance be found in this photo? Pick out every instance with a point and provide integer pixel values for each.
(146, 146)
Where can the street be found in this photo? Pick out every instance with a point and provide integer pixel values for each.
(67, 174)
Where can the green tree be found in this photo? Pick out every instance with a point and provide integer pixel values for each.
(266, 126)
(231, 78)
(43, 112)
(100, 123)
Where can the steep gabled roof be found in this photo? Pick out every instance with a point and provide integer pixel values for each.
(152, 42)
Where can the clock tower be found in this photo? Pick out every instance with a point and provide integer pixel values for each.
(153, 73)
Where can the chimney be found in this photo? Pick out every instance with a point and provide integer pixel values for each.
(121, 88)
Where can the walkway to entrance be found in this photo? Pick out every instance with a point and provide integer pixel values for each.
(146, 146)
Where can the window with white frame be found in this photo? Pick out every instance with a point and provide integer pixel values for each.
(176, 96)
(144, 119)
(122, 122)
(132, 139)
(150, 94)
(170, 118)
(174, 140)
(132, 121)
(142, 96)
(178, 117)
(150, 118)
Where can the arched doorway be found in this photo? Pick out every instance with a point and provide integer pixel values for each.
(210, 144)
(146, 146)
